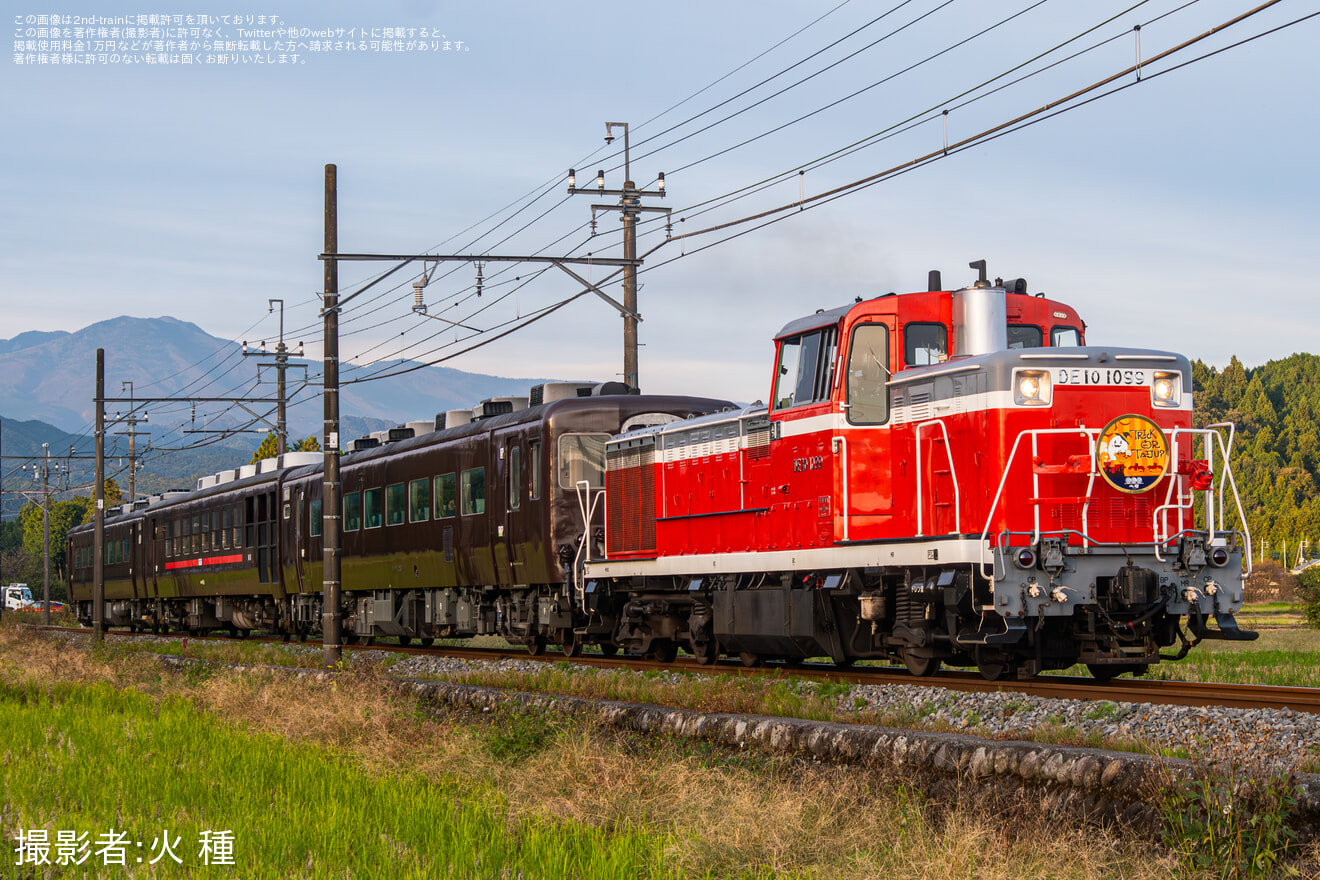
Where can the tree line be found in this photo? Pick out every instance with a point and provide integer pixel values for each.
(1276, 449)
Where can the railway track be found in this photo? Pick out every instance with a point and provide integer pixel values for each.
(1060, 687)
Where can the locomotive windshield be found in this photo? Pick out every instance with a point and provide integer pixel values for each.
(1065, 336)
(1025, 336)
(582, 457)
(806, 368)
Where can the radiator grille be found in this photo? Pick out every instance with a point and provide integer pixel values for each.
(630, 490)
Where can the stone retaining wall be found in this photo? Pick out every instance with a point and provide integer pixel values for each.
(1087, 783)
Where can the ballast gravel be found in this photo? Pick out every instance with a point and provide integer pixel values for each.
(1253, 740)
(1250, 739)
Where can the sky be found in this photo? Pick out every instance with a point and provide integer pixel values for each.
(1178, 212)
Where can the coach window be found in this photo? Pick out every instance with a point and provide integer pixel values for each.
(446, 496)
(206, 533)
(515, 477)
(582, 457)
(352, 511)
(1065, 336)
(419, 500)
(371, 508)
(925, 343)
(474, 491)
(868, 375)
(534, 474)
(224, 529)
(1025, 336)
(396, 504)
(314, 519)
(806, 368)
(237, 540)
(196, 535)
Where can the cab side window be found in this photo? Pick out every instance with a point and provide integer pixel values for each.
(806, 368)
(925, 343)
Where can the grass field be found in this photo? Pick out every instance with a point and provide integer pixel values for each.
(339, 779)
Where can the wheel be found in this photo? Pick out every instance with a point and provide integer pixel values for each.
(286, 636)
(427, 643)
(707, 652)
(536, 646)
(368, 641)
(749, 659)
(572, 645)
(302, 634)
(993, 665)
(350, 638)
(608, 649)
(921, 667)
(663, 651)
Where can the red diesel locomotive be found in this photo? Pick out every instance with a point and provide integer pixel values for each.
(942, 477)
(947, 477)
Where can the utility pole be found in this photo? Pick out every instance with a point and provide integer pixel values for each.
(132, 433)
(630, 206)
(281, 364)
(45, 533)
(330, 504)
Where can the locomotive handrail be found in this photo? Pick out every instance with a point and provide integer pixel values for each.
(843, 469)
(953, 472)
(899, 379)
(587, 507)
(1214, 519)
(1003, 481)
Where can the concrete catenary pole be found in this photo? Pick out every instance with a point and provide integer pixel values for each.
(98, 512)
(330, 505)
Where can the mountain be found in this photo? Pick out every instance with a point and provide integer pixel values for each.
(48, 379)
(52, 376)
(24, 438)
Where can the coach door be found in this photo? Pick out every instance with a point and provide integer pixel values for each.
(150, 552)
(510, 499)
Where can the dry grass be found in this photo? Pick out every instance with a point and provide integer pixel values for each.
(731, 815)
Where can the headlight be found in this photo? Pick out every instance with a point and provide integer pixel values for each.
(1031, 388)
(1166, 390)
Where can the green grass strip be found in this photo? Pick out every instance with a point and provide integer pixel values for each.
(94, 759)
